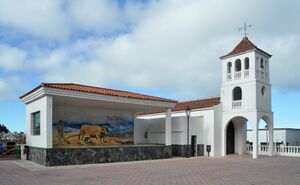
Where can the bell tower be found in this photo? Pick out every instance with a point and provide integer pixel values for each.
(245, 97)
(245, 79)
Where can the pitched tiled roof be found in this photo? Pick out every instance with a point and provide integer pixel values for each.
(195, 104)
(99, 90)
(243, 46)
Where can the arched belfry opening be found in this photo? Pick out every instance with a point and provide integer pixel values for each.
(237, 65)
(246, 63)
(229, 66)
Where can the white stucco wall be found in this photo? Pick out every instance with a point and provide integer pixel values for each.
(44, 140)
(83, 114)
(156, 130)
(201, 125)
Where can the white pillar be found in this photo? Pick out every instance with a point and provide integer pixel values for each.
(255, 139)
(168, 127)
(135, 128)
(271, 132)
(49, 120)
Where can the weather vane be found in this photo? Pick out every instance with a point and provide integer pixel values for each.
(245, 28)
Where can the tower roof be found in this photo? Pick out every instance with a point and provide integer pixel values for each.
(244, 46)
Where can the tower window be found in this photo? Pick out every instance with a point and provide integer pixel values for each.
(237, 94)
(246, 63)
(262, 64)
(238, 65)
(229, 66)
(263, 91)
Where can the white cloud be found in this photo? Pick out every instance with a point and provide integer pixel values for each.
(285, 63)
(172, 46)
(44, 19)
(11, 58)
(103, 16)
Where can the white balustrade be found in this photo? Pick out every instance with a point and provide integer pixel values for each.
(246, 73)
(229, 77)
(267, 76)
(257, 74)
(293, 151)
(237, 75)
(237, 104)
(262, 75)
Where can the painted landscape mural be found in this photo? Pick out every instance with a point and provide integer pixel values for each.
(110, 130)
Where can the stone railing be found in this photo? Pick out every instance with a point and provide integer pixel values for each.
(237, 104)
(237, 75)
(278, 150)
(246, 73)
(229, 76)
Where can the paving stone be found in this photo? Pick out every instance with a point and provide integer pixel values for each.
(180, 171)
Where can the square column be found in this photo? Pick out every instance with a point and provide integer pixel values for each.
(168, 129)
(271, 132)
(49, 120)
(255, 140)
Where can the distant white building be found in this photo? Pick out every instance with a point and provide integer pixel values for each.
(287, 136)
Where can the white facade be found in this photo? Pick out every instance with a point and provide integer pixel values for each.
(44, 140)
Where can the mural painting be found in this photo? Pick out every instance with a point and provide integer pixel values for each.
(112, 130)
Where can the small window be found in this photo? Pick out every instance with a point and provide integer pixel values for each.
(238, 65)
(229, 65)
(36, 123)
(262, 64)
(263, 91)
(246, 63)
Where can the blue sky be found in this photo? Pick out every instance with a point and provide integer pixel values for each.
(163, 48)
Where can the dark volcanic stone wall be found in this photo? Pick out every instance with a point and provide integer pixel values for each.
(72, 156)
(37, 155)
(180, 150)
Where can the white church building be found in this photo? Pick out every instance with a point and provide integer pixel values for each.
(78, 124)
(221, 122)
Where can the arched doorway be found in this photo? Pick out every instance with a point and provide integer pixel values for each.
(235, 136)
(230, 139)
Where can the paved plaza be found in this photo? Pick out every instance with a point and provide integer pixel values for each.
(179, 171)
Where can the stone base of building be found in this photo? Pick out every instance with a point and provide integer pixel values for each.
(75, 156)
(183, 150)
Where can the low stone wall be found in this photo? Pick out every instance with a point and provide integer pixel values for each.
(180, 150)
(38, 155)
(74, 156)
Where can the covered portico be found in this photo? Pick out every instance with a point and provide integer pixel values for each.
(76, 106)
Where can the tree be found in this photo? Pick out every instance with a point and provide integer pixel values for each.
(3, 128)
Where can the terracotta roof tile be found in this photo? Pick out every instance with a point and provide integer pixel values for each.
(99, 90)
(243, 46)
(195, 104)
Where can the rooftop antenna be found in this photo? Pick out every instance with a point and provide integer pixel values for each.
(245, 28)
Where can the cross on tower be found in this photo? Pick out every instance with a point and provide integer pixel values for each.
(245, 28)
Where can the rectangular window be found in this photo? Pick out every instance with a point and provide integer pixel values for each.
(36, 123)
